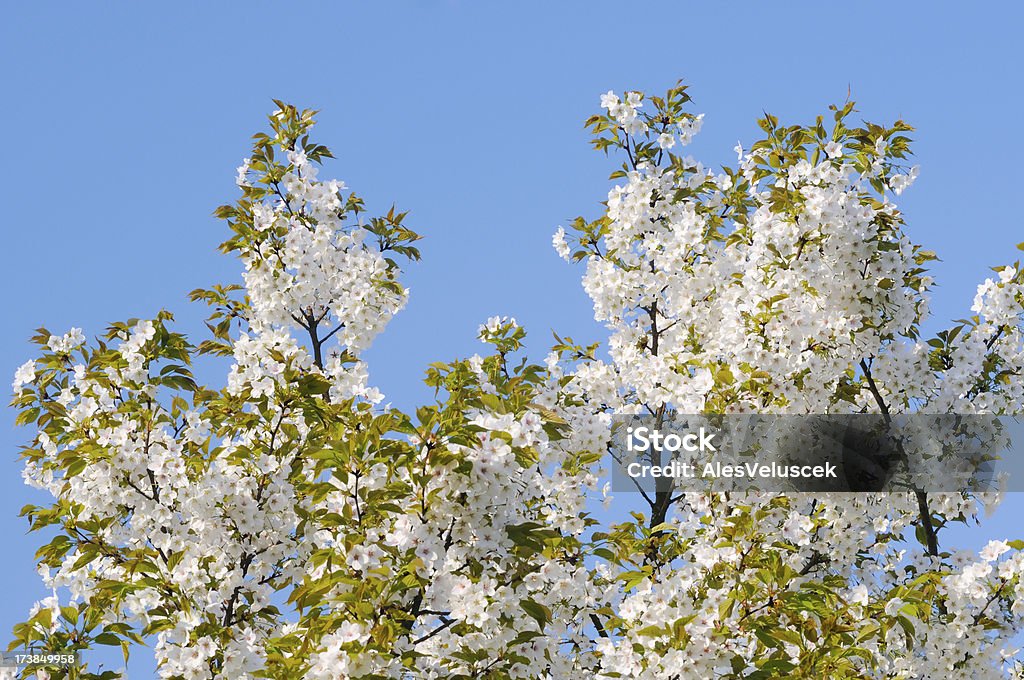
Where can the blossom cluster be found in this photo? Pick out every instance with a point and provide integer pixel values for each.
(787, 285)
(283, 525)
(288, 526)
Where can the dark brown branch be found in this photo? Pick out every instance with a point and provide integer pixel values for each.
(600, 626)
(315, 341)
(815, 559)
(995, 338)
(229, 610)
(434, 632)
(923, 510)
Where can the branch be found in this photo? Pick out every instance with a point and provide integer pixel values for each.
(923, 510)
(995, 596)
(639, 488)
(229, 610)
(815, 559)
(600, 626)
(995, 338)
(315, 341)
(434, 632)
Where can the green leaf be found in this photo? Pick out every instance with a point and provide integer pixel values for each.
(107, 639)
(537, 611)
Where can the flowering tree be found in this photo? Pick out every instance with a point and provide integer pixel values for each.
(288, 526)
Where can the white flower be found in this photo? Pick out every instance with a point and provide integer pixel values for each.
(298, 158)
(689, 128)
(899, 183)
(796, 529)
(25, 374)
(560, 244)
(702, 381)
(858, 595)
(242, 178)
(494, 324)
(358, 558)
(67, 342)
(833, 149)
(993, 550)
(893, 606)
(349, 631)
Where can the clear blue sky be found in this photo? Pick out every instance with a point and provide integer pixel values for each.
(124, 123)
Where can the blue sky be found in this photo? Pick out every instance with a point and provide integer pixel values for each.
(124, 124)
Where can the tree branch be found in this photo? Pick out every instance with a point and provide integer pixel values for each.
(924, 512)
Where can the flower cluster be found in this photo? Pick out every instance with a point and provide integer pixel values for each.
(786, 285)
(286, 526)
(282, 525)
